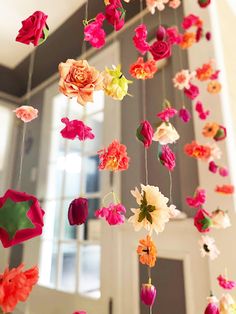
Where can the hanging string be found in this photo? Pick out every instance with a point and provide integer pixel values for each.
(171, 187)
(84, 46)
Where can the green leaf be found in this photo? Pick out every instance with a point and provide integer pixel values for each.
(206, 223)
(142, 216)
(149, 217)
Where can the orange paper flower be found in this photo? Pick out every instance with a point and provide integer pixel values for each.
(210, 129)
(226, 189)
(188, 40)
(143, 70)
(214, 87)
(197, 151)
(147, 252)
(15, 286)
(205, 72)
(79, 79)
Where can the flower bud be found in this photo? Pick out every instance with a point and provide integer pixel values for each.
(78, 211)
(148, 294)
(145, 133)
(161, 33)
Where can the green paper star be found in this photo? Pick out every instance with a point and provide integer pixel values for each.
(13, 217)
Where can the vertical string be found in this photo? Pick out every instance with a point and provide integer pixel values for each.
(171, 187)
(84, 46)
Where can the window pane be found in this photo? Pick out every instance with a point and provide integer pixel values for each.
(52, 220)
(68, 275)
(70, 232)
(89, 272)
(58, 145)
(72, 165)
(94, 204)
(92, 174)
(98, 103)
(55, 177)
(96, 123)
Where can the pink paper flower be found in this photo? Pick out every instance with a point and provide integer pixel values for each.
(140, 39)
(173, 35)
(76, 129)
(202, 221)
(113, 214)
(223, 171)
(189, 21)
(26, 113)
(213, 166)
(191, 92)
(225, 283)
(167, 113)
(203, 114)
(78, 211)
(182, 79)
(145, 133)
(80, 312)
(148, 294)
(212, 307)
(94, 33)
(115, 14)
(174, 4)
(198, 200)
(167, 157)
(160, 50)
(185, 115)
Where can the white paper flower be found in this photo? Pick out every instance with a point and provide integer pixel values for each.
(216, 152)
(208, 247)
(220, 219)
(182, 79)
(153, 212)
(153, 4)
(166, 134)
(227, 304)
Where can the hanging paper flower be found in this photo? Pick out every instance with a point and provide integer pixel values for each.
(182, 79)
(202, 221)
(167, 157)
(153, 212)
(114, 157)
(198, 200)
(208, 247)
(188, 39)
(223, 171)
(205, 72)
(220, 219)
(140, 39)
(80, 312)
(147, 252)
(167, 111)
(191, 20)
(113, 214)
(185, 115)
(216, 152)
(156, 4)
(173, 36)
(204, 3)
(192, 92)
(76, 129)
(115, 83)
(21, 218)
(210, 129)
(214, 87)
(79, 79)
(213, 167)
(115, 14)
(34, 29)
(93, 31)
(148, 294)
(145, 133)
(226, 189)
(227, 304)
(198, 151)
(16, 286)
(212, 307)
(26, 113)
(174, 4)
(160, 49)
(78, 211)
(143, 70)
(202, 114)
(220, 134)
(166, 134)
(225, 283)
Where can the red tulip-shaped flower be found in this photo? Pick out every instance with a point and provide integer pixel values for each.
(145, 133)
(202, 221)
(204, 3)
(212, 307)
(78, 211)
(148, 294)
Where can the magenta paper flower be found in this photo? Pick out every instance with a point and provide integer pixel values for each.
(212, 307)
(198, 200)
(140, 39)
(223, 171)
(78, 211)
(21, 218)
(167, 113)
(113, 214)
(213, 167)
(225, 283)
(145, 133)
(202, 221)
(173, 35)
(202, 114)
(185, 115)
(167, 157)
(76, 129)
(160, 49)
(80, 312)
(189, 21)
(192, 92)
(115, 14)
(148, 294)
(94, 33)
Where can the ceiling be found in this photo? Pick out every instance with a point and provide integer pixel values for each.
(12, 12)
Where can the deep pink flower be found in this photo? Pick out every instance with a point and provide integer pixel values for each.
(185, 115)
(202, 221)
(192, 92)
(167, 113)
(76, 129)
(208, 36)
(167, 157)
(80, 312)
(213, 167)
(198, 200)
(114, 214)
(225, 283)
(145, 133)
(199, 34)
(140, 39)
(160, 50)
(215, 75)
(223, 171)
(78, 211)
(203, 114)
(148, 294)
(190, 21)
(161, 33)
(94, 33)
(221, 134)
(204, 3)
(173, 35)
(115, 14)
(212, 307)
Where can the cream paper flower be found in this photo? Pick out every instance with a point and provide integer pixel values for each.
(165, 134)
(153, 212)
(182, 79)
(153, 4)
(208, 247)
(227, 304)
(220, 219)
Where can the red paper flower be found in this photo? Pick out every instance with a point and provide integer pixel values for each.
(34, 29)
(78, 211)
(226, 189)
(191, 20)
(160, 50)
(213, 167)
(197, 151)
(225, 283)
(76, 129)
(94, 33)
(145, 133)
(114, 157)
(198, 200)
(15, 286)
(185, 115)
(143, 70)
(202, 221)
(21, 218)
(204, 3)
(203, 114)
(140, 39)
(192, 92)
(167, 157)
(115, 14)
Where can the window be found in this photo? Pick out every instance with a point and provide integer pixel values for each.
(70, 256)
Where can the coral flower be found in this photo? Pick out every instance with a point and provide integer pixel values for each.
(26, 113)
(182, 79)
(202, 221)
(210, 129)
(188, 39)
(140, 39)
(143, 70)
(94, 33)
(205, 72)
(114, 157)
(198, 200)
(214, 87)
(147, 252)
(197, 151)
(15, 286)
(226, 189)
(225, 283)
(79, 79)
(113, 214)
(76, 128)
